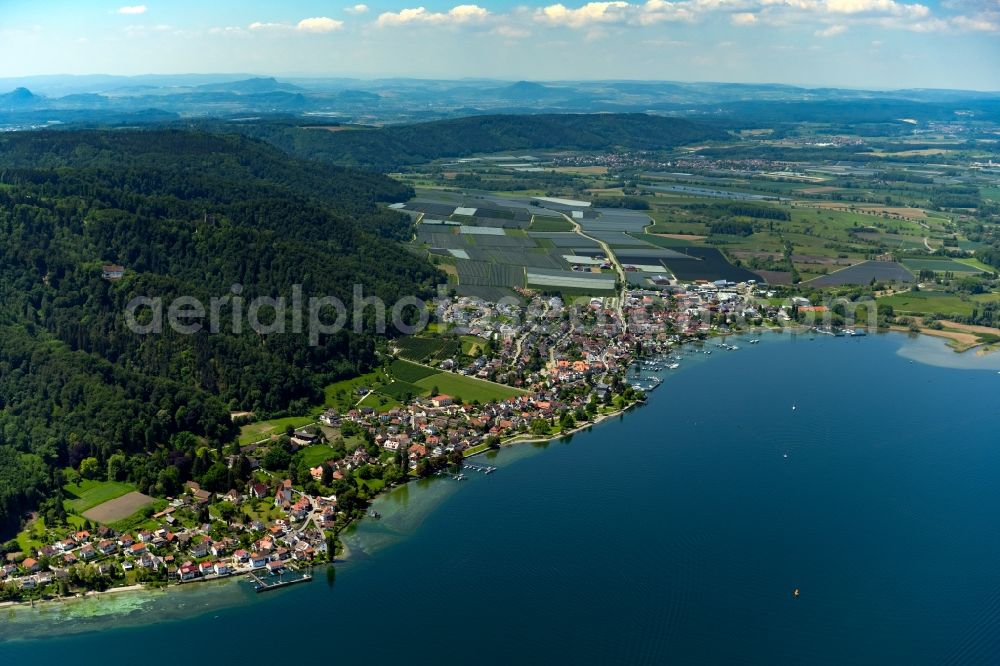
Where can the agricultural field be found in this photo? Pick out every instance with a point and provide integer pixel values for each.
(119, 508)
(865, 273)
(706, 263)
(405, 371)
(89, 493)
(427, 349)
(975, 263)
(806, 217)
(488, 274)
(539, 223)
(467, 388)
(941, 265)
(399, 391)
(587, 282)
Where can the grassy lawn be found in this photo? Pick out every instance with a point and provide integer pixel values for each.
(380, 402)
(467, 388)
(372, 485)
(32, 537)
(89, 494)
(262, 510)
(254, 432)
(930, 302)
(472, 345)
(314, 455)
(343, 394)
(473, 450)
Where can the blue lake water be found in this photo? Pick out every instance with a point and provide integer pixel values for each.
(676, 534)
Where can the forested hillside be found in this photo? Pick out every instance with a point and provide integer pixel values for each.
(186, 213)
(399, 145)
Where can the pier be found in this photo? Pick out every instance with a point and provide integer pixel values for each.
(264, 585)
(485, 469)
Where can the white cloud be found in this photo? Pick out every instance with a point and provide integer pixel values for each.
(832, 31)
(132, 9)
(657, 11)
(980, 23)
(824, 18)
(463, 13)
(890, 7)
(357, 9)
(227, 30)
(588, 14)
(511, 31)
(319, 24)
(457, 14)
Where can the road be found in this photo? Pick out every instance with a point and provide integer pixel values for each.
(619, 303)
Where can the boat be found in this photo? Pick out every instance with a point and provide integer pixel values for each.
(793, 408)
(795, 593)
(674, 366)
(374, 514)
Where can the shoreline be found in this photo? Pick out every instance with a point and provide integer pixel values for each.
(523, 439)
(346, 553)
(89, 594)
(959, 342)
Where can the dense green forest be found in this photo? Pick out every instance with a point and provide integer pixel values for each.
(400, 145)
(186, 213)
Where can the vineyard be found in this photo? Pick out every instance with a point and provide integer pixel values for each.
(428, 349)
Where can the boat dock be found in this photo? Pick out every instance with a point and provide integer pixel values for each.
(265, 585)
(485, 469)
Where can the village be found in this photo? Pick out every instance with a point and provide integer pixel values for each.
(569, 364)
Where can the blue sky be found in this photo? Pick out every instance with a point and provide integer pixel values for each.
(850, 43)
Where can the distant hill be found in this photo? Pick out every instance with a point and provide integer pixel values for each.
(254, 86)
(358, 96)
(399, 145)
(19, 98)
(527, 91)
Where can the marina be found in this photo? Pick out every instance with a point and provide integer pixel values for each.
(284, 579)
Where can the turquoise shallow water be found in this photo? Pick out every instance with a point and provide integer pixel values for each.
(676, 534)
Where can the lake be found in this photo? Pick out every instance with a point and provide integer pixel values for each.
(676, 534)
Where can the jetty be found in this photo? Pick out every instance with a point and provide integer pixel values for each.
(265, 585)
